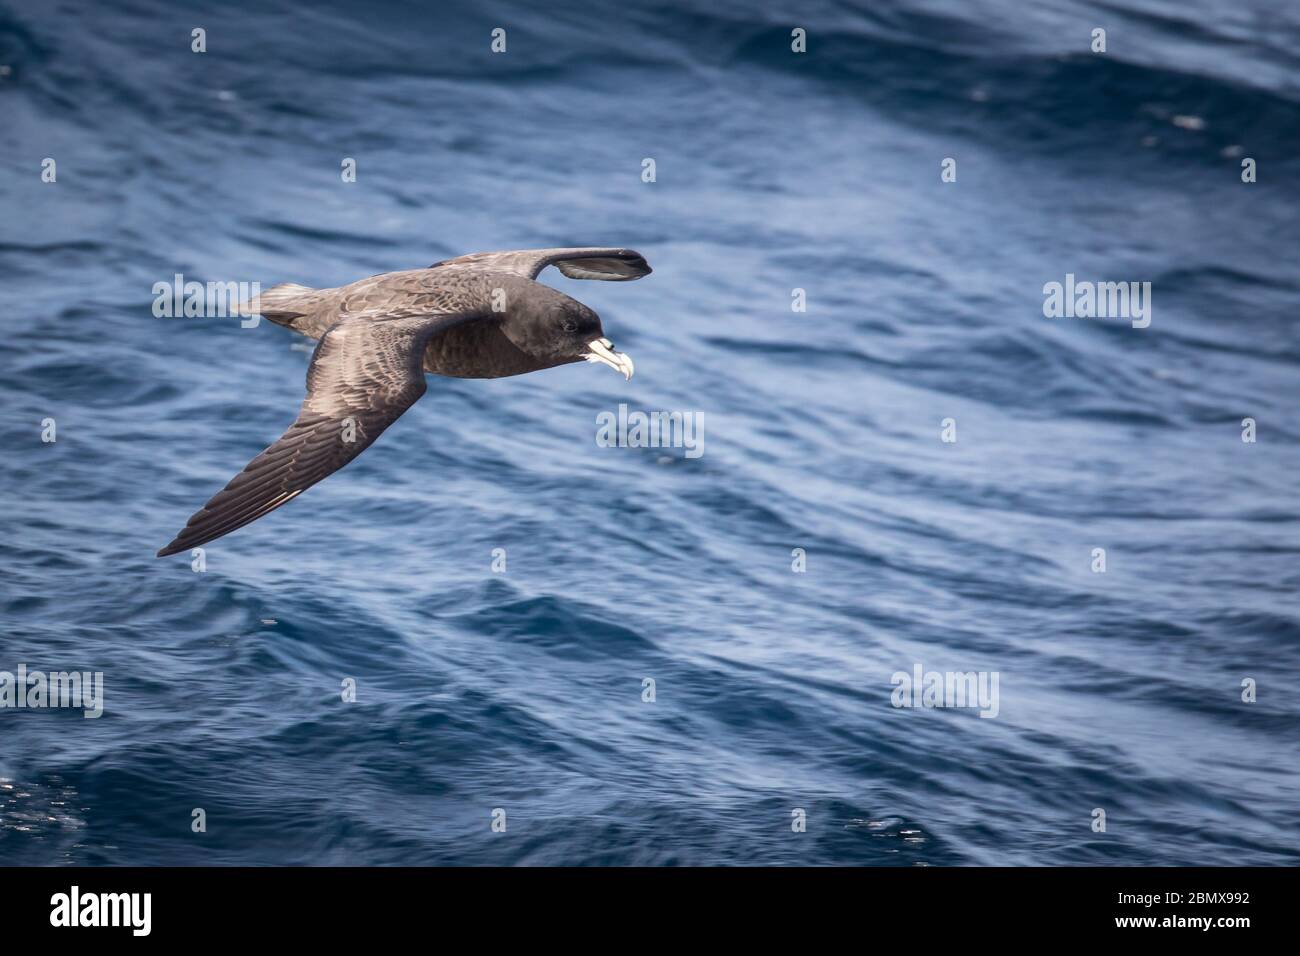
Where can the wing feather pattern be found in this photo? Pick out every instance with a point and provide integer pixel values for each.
(363, 376)
(589, 262)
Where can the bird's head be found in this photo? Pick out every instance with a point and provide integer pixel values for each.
(555, 329)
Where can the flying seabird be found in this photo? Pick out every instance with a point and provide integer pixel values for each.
(476, 316)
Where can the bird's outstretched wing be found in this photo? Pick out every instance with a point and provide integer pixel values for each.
(617, 265)
(363, 376)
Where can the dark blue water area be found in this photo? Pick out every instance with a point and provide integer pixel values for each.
(523, 691)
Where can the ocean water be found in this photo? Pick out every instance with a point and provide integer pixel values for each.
(479, 691)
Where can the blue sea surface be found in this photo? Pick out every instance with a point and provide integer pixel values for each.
(524, 691)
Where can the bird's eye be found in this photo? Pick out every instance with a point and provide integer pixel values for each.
(570, 326)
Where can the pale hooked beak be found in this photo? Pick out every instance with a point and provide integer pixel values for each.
(602, 350)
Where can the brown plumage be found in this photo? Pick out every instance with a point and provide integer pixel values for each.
(477, 316)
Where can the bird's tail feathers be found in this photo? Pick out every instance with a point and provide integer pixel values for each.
(284, 301)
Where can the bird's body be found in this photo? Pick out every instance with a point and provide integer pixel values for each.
(478, 316)
(466, 350)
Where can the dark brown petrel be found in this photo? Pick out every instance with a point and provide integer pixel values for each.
(477, 316)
